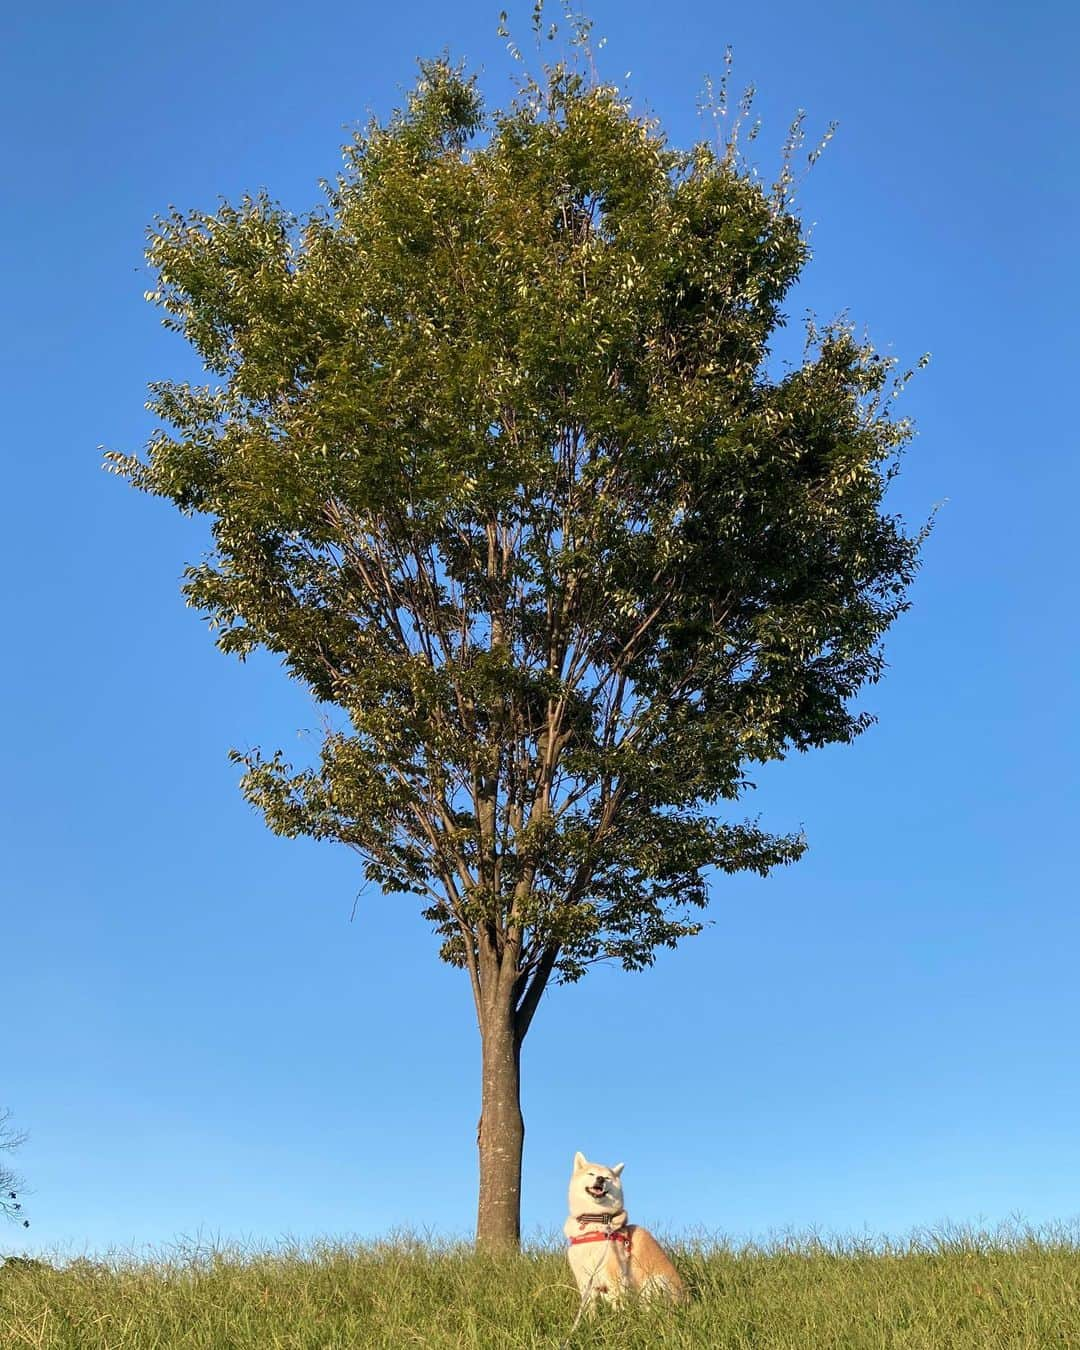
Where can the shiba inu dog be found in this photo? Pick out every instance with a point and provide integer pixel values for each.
(608, 1255)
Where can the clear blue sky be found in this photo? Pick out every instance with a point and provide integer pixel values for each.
(197, 1037)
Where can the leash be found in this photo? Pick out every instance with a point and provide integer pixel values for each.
(581, 1308)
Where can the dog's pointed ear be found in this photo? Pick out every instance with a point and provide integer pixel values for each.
(580, 1161)
(617, 1169)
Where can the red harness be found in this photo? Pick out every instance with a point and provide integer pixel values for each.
(617, 1235)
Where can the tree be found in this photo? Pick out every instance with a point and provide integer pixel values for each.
(495, 463)
(10, 1139)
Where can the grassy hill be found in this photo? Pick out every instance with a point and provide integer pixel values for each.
(950, 1292)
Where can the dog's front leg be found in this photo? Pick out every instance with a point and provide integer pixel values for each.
(594, 1283)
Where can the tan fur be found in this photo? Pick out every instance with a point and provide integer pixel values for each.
(604, 1269)
(651, 1269)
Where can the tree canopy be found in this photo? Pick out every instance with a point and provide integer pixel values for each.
(496, 460)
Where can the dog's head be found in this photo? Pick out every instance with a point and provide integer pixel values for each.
(595, 1189)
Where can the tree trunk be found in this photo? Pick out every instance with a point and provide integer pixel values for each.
(501, 1136)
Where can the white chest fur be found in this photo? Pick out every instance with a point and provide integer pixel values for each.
(599, 1267)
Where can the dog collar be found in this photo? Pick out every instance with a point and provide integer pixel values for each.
(604, 1218)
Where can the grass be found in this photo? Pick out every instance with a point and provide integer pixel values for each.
(960, 1291)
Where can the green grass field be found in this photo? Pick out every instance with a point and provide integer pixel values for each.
(1015, 1289)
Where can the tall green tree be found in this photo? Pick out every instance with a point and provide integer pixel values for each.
(494, 462)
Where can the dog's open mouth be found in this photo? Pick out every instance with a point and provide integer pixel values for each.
(597, 1191)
